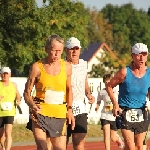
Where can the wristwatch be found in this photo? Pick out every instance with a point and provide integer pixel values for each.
(69, 107)
(88, 93)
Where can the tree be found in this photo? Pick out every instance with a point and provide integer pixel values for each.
(20, 29)
(128, 26)
(24, 28)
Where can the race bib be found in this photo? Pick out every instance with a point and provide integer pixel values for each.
(54, 97)
(134, 115)
(6, 106)
(108, 108)
(78, 107)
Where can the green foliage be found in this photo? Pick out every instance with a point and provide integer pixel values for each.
(127, 27)
(24, 28)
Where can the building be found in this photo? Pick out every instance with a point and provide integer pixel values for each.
(93, 51)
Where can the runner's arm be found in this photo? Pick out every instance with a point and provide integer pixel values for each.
(88, 92)
(69, 95)
(18, 97)
(116, 80)
(99, 99)
(33, 75)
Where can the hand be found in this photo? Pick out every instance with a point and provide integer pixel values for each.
(1, 97)
(18, 102)
(71, 119)
(116, 110)
(91, 98)
(96, 109)
(36, 108)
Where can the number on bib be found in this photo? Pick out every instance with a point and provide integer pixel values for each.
(108, 108)
(78, 107)
(134, 115)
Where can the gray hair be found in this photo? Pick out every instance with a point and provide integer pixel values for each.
(53, 38)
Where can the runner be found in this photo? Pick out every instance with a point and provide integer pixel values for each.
(80, 88)
(51, 77)
(108, 121)
(9, 98)
(133, 84)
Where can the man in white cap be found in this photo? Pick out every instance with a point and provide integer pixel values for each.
(133, 84)
(9, 98)
(80, 88)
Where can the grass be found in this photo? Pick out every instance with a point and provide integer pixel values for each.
(21, 134)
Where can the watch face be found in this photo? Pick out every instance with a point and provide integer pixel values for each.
(69, 107)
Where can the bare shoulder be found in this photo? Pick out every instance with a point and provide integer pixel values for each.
(118, 77)
(15, 85)
(121, 73)
(34, 69)
(68, 68)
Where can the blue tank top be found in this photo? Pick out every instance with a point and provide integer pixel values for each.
(133, 91)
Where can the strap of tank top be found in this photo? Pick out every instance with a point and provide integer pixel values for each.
(63, 65)
(40, 64)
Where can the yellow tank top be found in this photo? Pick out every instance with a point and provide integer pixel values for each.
(52, 89)
(7, 103)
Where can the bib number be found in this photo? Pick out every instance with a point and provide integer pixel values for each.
(54, 97)
(134, 115)
(6, 106)
(78, 107)
(108, 108)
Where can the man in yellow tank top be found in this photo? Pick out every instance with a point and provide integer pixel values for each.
(52, 79)
(9, 98)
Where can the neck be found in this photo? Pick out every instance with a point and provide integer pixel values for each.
(141, 67)
(51, 62)
(74, 62)
(5, 83)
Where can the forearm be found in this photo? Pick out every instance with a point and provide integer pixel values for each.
(87, 89)
(69, 97)
(110, 92)
(28, 99)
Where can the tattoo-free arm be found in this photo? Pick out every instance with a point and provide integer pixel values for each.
(33, 74)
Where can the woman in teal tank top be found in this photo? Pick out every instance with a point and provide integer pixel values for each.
(133, 84)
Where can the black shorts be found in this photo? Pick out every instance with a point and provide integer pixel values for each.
(136, 127)
(80, 125)
(29, 124)
(112, 124)
(6, 120)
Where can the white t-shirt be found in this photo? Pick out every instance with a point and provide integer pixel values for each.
(79, 73)
(106, 112)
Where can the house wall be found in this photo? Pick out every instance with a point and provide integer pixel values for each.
(94, 59)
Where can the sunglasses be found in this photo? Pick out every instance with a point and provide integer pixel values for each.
(75, 48)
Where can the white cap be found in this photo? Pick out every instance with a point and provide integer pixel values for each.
(139, 48)
(5, 69)
(72, 42)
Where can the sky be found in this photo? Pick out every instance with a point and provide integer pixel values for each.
(144, 4)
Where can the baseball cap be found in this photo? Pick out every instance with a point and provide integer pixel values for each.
(139, 47)
(72, 42)
(5, 69)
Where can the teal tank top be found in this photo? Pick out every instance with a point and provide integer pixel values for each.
(133, 91)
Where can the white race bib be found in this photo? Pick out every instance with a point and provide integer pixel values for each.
(108, 103)
(6, 105)
(78, 107)
(134, 115)
(54, 97)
